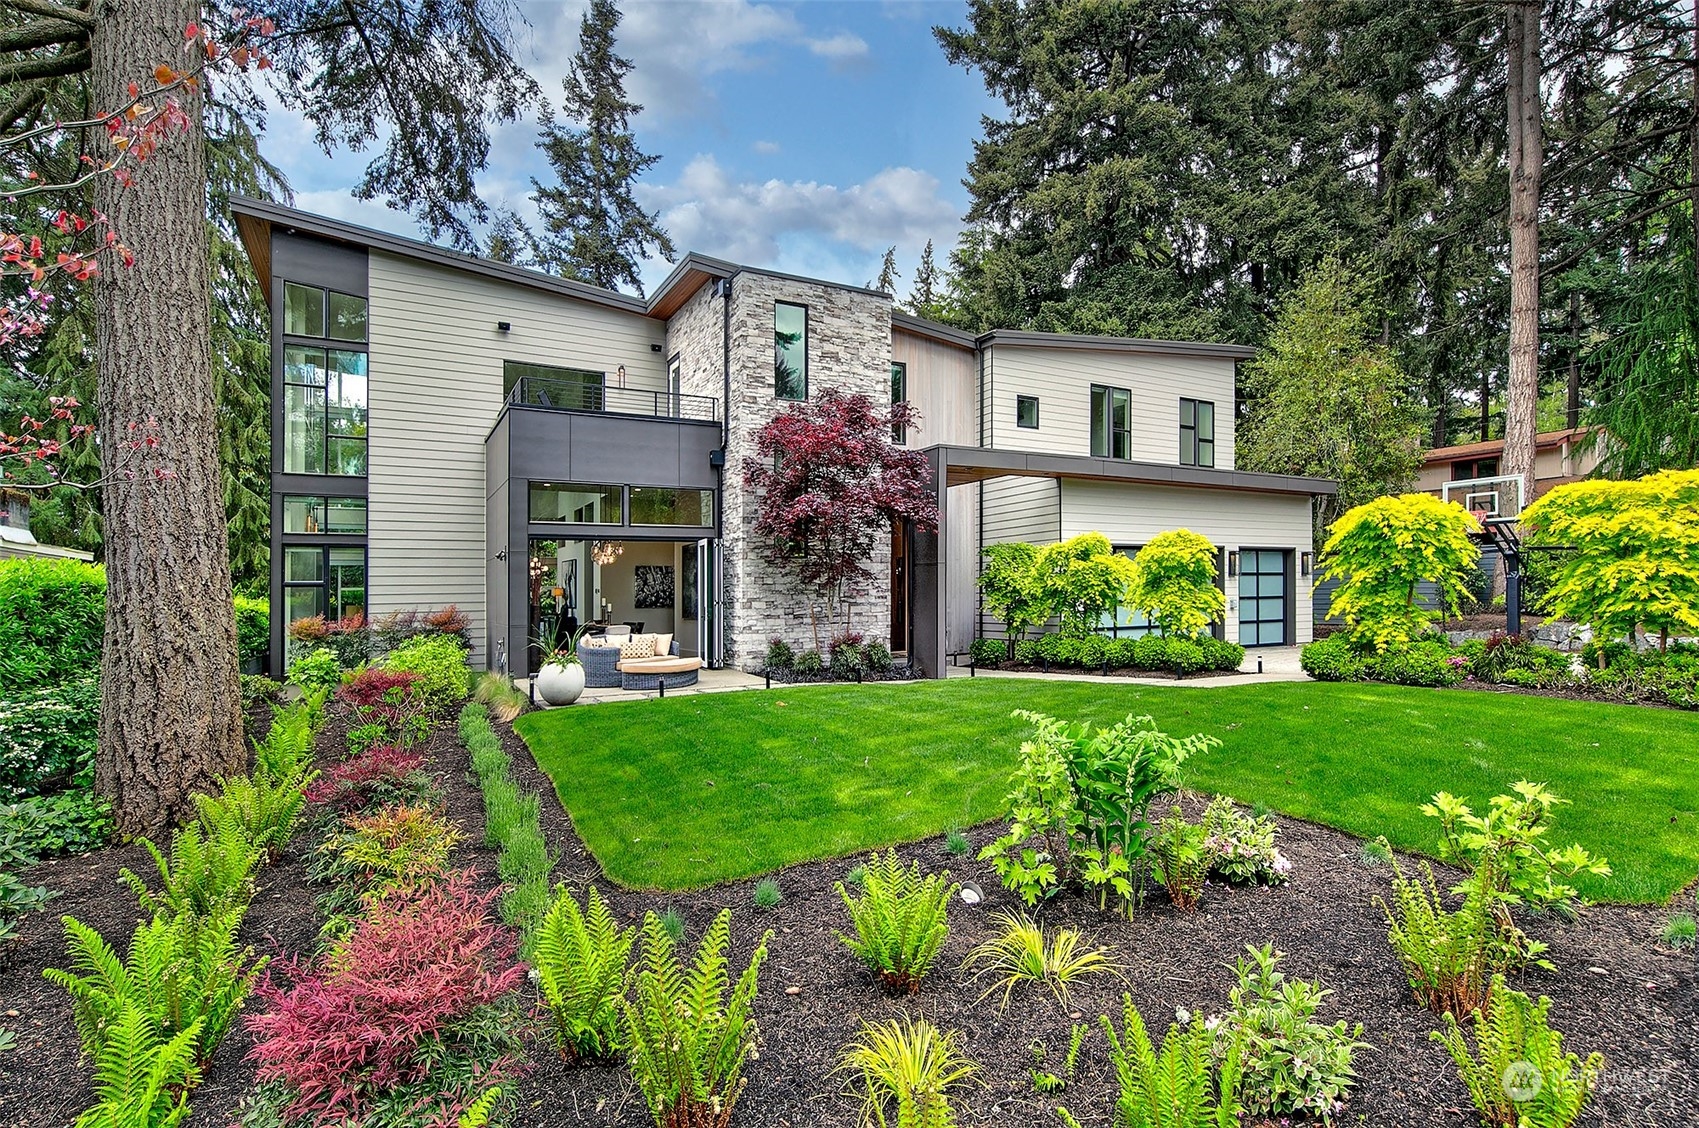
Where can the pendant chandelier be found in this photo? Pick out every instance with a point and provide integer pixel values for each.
(605, 552)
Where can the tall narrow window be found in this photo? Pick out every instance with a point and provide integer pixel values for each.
(1111, 422)
(899, 394)
(324, 389)
(790, 351)
(1197, 433)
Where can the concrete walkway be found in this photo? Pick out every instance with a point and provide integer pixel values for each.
(708, 681)
(1278, 664)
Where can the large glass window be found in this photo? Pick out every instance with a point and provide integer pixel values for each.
(576, 503)
(548, 385)
(324, 411)
(1197, 433)
(659, 505)
(323, 581)
(790, 351)
(324, 515)
(1111, 422)
(312, 311)
(899, 394)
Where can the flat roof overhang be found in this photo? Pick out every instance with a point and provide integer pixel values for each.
(961, 465)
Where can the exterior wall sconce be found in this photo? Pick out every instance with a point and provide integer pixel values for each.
(504, 326)
(1232, 564)
(1306, 563)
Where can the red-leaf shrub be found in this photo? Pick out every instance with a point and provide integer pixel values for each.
(450, 620)
(378, 772)
(310, 628)
(354, 1023)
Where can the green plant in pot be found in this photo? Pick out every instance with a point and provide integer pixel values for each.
(560, 679)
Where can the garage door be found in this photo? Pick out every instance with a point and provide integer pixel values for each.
(1262, 597)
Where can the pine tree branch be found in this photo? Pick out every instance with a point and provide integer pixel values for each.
(59, 66)
(32, 97)
(41, 33)
(75, 14)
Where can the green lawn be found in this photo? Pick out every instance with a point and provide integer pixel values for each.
(688, 791)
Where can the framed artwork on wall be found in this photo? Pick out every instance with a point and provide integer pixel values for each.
(653, 586)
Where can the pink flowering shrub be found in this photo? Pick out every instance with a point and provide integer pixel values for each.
(371, 1016)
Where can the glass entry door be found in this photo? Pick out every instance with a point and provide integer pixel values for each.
(1262, 597)
(709, 608)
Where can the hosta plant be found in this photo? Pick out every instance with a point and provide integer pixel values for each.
(899, 920)
(1290, 1063)
(688, 1030)
(1179, 1087)
(1517, 1071)
(1019, 953)
(581, 957)
(181, 972)
(1241, 847)
(906, 1068)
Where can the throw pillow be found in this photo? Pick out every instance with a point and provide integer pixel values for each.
(663, 645)
(638, 646)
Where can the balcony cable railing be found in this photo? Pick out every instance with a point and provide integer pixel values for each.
(559, 394)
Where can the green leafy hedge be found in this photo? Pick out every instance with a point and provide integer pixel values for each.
(440, 662)
(253, 628)
(48, 738)
(52, 618)
(1152, 652)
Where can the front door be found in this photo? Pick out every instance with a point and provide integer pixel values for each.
(1262, 597)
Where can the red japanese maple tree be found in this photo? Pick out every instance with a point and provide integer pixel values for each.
(830, 483)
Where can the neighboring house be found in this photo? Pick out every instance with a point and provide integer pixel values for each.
(15, 536)
(452, 430)
(1559, 456)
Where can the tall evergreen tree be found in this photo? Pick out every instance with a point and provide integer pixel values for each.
(509, 239)
(592, 228)
(886, 283)
(921, 296)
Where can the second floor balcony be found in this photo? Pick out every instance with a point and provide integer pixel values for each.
(574, 394)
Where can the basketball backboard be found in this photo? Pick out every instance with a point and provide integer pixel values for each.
(1487, 498)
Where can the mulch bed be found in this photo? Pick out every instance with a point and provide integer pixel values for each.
(1616, 990)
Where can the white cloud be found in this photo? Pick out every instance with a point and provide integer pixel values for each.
(677, 45)
(842, 47)
(803, 226)
(766, 148)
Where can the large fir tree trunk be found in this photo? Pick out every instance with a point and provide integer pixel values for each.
(1523, 392)
(170, 716)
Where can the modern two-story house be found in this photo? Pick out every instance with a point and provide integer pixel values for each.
(448, 429)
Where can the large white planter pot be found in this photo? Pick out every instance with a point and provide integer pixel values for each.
(560, 685)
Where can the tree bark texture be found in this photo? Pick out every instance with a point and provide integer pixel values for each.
(170, 716)
(1523, 391)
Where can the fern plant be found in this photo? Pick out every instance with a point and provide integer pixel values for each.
(181, 972)
(1517, 1072)
(287, 748)
(581, 957)
(1449, 957)
(141, 1077)
(686, 1038)
(1176, 1088)
(206, 874)
(900, 920)
(1180, 858)
(264, 808)
(1020, 954)
(909, 1064)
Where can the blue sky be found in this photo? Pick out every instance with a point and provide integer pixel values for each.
(804, 137)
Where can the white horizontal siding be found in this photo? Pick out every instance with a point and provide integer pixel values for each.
(1021, 509)
(1233, 520)
(1062, 379)
(436, 389)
